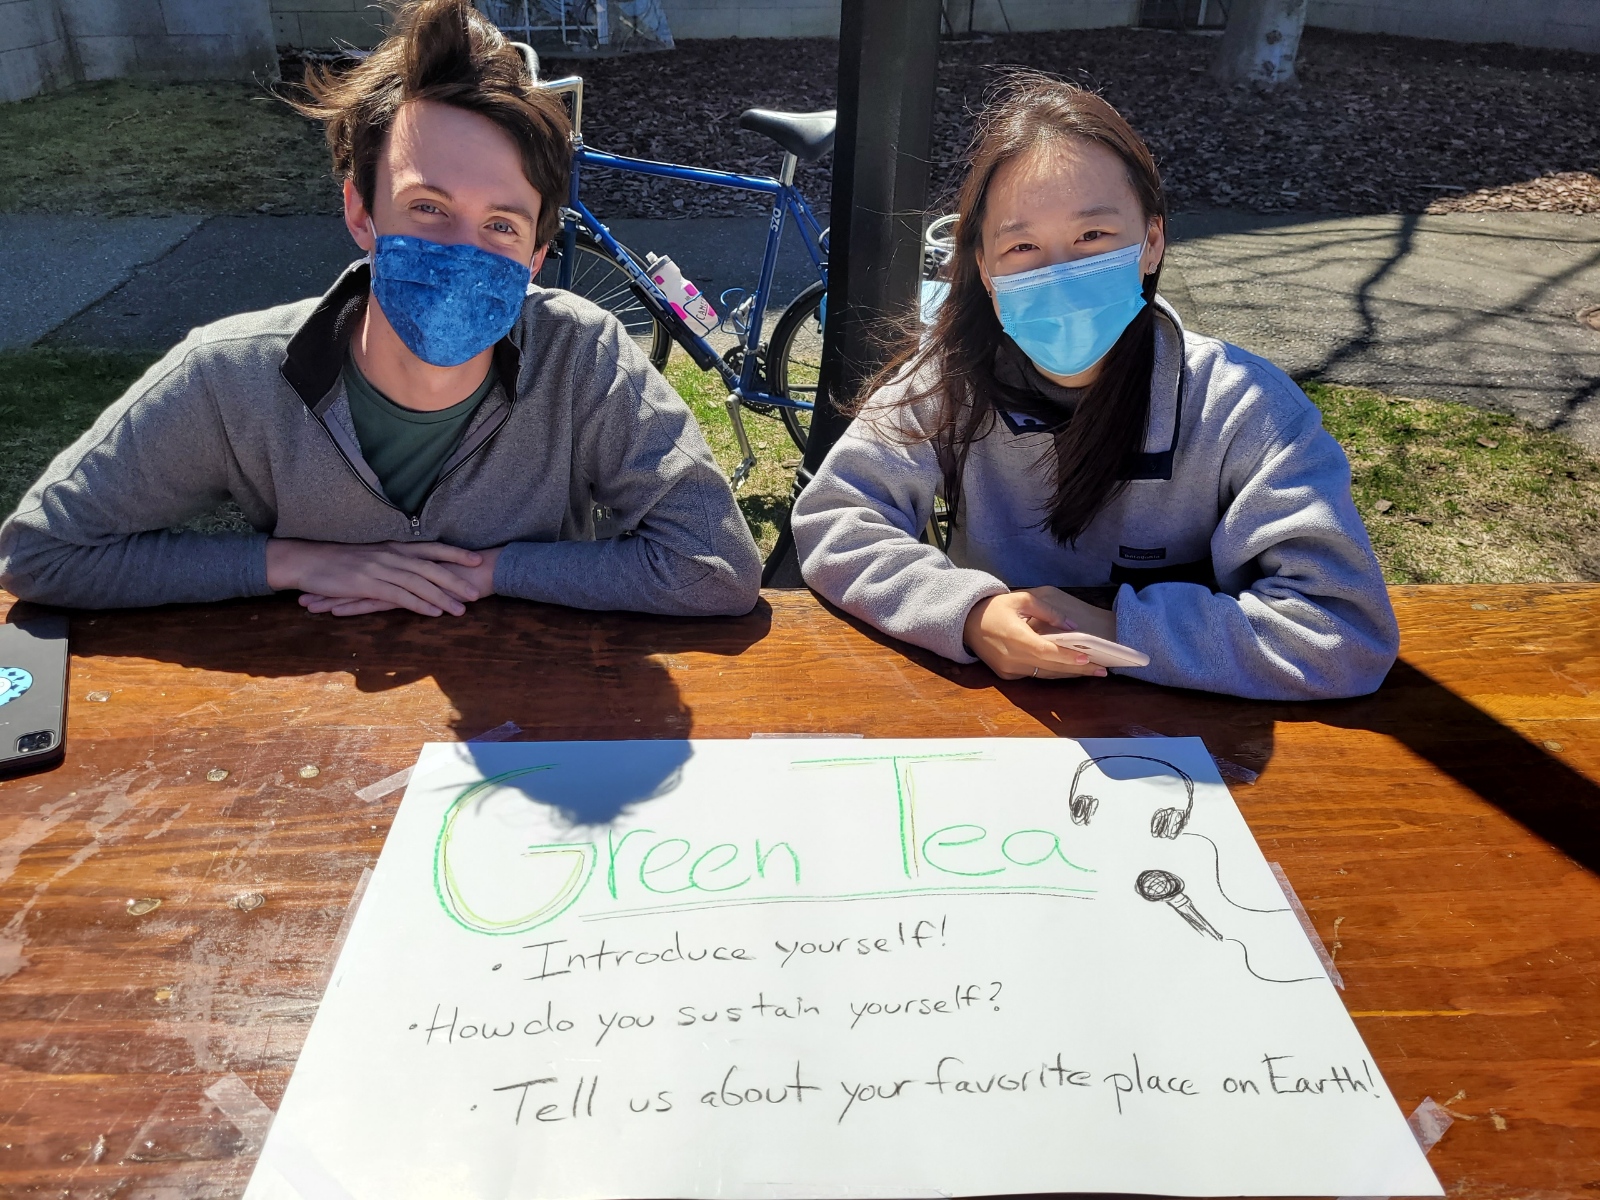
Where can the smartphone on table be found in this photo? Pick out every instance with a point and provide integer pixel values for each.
(1099, 650)
(33, 692)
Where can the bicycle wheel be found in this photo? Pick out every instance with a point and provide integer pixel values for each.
(597, 278)
(794, 359)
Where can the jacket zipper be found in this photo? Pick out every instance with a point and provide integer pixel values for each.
(415, 518)
(375, 492)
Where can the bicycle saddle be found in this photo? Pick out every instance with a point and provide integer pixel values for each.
(807, 136)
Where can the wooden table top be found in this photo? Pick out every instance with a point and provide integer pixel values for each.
(1444, 835)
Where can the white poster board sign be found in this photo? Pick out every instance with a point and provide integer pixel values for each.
(829, 968)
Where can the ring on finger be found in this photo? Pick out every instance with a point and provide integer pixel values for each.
(1036, 673)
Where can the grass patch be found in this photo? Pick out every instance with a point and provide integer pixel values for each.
(49, 397)
(1450, 494)
(764, 498)
(1453, 494)
(120, 147)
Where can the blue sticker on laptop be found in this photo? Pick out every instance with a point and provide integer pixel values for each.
(13, 682)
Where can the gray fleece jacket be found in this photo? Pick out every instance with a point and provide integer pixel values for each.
(253, 409)
(1242, 564)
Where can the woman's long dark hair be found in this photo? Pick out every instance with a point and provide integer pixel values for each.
(955, 359)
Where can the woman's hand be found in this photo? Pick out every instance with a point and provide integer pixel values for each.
(1006, 633)
(429, 578)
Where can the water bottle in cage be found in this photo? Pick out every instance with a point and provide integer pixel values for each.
(685, 298)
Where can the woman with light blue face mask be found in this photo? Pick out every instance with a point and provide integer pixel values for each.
(1071, 433)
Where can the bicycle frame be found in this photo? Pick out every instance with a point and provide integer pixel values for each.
(744, 387)
(787, 201)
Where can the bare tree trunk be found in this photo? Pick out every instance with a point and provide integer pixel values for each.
(1259, 46)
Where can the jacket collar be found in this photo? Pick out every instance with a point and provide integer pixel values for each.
(315, 354)
(1044, 407)
(1033, 404)
(1168, 376)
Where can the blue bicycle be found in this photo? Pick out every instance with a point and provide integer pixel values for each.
(776, 376)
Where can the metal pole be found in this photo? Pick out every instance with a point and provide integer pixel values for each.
(888, 65)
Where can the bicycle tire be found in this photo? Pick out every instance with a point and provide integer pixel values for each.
(794, 359)
(596, 277)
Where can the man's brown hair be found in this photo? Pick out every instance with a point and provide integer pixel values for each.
(447, 52)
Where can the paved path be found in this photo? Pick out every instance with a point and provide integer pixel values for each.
(235, 264)
(50, 267)
(1478, 307)
(227, 265)
(1474, 307)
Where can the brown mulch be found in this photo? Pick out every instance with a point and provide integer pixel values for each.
(1562, 191)
(1379, 124)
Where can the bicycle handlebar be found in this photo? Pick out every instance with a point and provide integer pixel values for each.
(571, 85)
(568, 84)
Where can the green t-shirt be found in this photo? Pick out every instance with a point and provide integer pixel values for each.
(405, 448)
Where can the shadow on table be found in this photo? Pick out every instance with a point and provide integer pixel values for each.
(558, 674)
(1522, 780)
(561, 674)
(1455, 736)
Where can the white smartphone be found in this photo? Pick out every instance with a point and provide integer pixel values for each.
(1107, 654)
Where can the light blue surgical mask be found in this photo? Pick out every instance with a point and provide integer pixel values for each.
(446, 303)
(1067, 316)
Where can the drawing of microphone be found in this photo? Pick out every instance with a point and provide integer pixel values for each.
(1164, 885)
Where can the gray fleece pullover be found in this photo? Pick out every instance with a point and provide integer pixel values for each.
(253, 409)
(1246, 491)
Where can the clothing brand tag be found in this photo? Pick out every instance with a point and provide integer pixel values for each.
(1135, 554)
(1027, 422)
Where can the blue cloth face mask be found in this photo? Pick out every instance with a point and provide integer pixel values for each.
(447, 303)
(1067, 316)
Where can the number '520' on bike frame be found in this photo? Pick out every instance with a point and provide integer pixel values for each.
(763, 378)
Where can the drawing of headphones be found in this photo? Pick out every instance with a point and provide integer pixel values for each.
(1164, 822)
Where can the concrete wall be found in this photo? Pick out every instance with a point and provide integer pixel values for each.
(1022, 16)
(47, 43)
(751, 18)
(1562, 24)
(170, 39)
(320, 24)
(1558, 24)
(34, 52)
(820, 18)
(1565, 24)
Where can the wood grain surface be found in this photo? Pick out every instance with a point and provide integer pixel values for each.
(1444, 835)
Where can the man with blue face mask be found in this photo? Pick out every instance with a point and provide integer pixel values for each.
(431, 431)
